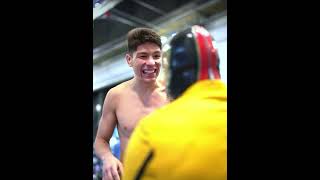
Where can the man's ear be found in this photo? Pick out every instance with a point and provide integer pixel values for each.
(129, 59)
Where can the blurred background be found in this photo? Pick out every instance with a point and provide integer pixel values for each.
(112, 19)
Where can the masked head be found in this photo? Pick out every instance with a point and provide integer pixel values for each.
(192, 57)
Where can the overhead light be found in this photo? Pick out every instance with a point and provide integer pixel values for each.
(98, 107)
(97, 5)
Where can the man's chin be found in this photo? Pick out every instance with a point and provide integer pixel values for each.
(149, 79)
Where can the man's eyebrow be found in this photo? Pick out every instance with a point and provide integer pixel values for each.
(146, 53)
(157, 52)
(142, 53)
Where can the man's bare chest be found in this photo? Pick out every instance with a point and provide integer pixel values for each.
(131, 110)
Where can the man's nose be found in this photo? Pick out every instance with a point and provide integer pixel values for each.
(151, 61)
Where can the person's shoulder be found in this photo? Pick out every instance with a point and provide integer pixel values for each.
(115, 93)
(119, 89)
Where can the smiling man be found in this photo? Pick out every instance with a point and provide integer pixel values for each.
(132, 100)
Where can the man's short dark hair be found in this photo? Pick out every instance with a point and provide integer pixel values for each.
(139, 36)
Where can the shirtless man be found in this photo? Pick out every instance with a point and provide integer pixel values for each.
(132, 100)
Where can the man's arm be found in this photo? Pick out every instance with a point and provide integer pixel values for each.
(106, 126)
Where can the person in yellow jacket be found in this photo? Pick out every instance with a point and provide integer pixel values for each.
(186, 139)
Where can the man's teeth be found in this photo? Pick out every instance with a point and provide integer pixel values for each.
(148, 71)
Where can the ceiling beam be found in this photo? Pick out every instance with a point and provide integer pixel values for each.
(148, 6)
(133, 18)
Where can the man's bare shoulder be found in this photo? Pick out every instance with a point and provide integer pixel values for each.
(122, 86)
(120, 89)
(113, 95)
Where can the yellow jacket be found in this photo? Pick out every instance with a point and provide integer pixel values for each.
(186, 139)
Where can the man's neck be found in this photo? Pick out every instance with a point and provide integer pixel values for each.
(144, 87)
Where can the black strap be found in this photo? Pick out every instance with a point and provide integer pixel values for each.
(144, 165)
